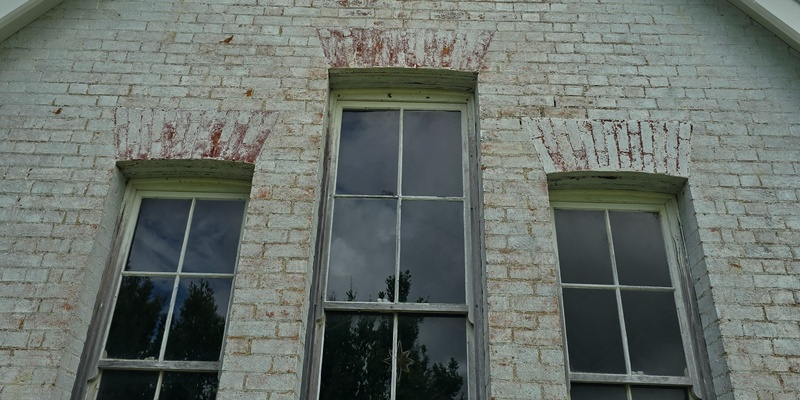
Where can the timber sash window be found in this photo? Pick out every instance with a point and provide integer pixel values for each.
(393, 313)
(627, 331)
(165, 336)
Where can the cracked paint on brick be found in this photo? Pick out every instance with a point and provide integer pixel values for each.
(411, 48)
(147, 134)
(567, 145)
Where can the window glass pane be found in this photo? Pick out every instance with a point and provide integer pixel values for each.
(658, 393)
(593, 331)
(432, 153)
(356, 359)
(362, 255)
(137, 327)
(198, 322)
(214, 236)
(654, 337)
(581, 391)
(583, 254)
(184, 385)
(368, 150)
(127, 385)
(639, 249)
(158, 237)
(432, 252)
(431, 358)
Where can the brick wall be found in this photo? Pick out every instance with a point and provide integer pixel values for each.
(67, 78)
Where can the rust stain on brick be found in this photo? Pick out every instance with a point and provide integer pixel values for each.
(168, 134)
(374, 47)
(142, 134)
(227, 40)
(216, 134)
(58, 111)
(645, 146)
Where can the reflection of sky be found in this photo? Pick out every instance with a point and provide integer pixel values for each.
(432, 153)
(445, 338)
(159, 233)
(368, 152)
(432, 248)
(583, 247)
(593, 331)
(214, 236)
(654, 337)
(362, 247)
(639, 249)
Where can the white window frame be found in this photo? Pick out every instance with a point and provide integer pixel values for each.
(666, 206)
(166, 188)
(473, 307)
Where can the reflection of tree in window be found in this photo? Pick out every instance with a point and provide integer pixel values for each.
(138, 320)
(197, 332)
(357, 347)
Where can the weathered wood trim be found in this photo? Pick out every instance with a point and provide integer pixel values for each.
(150, 365)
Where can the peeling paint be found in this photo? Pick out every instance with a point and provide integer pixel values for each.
(420, 48)
(662, 147)
(144, 134)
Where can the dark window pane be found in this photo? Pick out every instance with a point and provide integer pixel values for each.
(159, 235)
(356, 359)
(658, 393)
(368, 151)
(583, 254)
(583, 391)
(362, 256)
(189, 386)
(198, 322)
(654, 337)
(432, 252)
(127, 385)
(431, 358)
(214, 236)
(432, 153)
(593, 331)
(639, 249)
(137, 327)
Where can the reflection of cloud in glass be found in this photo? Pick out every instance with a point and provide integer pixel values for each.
(432, 248)
(583, 253)
(362, 248)
(593, 331)
(214, 236)
(368, 149)
(159, 235)
(432, 153)
(654, 336)
(445, 338)
(639, 249)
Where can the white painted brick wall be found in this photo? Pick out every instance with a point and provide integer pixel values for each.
(64, 77)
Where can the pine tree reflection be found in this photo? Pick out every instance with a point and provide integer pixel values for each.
(139, 319)
(196, 334)
(356, 348)
(138, 331)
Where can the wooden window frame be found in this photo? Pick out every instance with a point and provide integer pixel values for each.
(473, 308)
(691, 333)
(164, 188)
